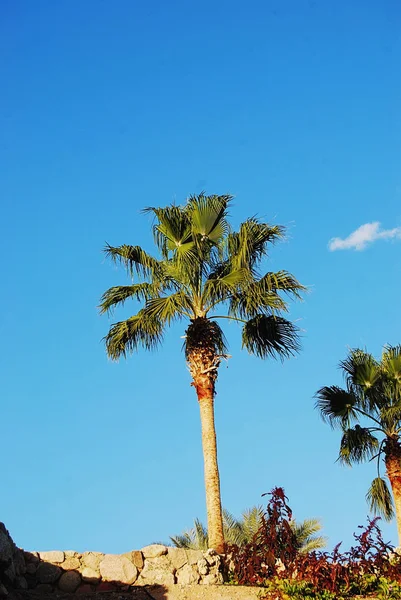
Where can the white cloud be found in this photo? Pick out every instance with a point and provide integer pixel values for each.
(364, 235)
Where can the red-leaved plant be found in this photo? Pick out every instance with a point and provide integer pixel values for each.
(274, 553)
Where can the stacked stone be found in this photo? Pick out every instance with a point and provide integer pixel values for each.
(12, 564)
(93, 571)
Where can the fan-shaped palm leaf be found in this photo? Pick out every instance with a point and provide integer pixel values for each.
(358, 445)
(141, 330)
(336, 406)
(379, 498)
(270, 336)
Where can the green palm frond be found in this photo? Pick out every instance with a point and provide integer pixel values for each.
(119, 294)
(336, 406)
(379, 498)
(305, 534)
(361, 370)
(247, 247)
(194, 539)
(255, 298)
(219, 289)
(252, 518)
(171, 229)
(127, 336)
(282, 281)
(134, 258)
(358, 445)
(391, 370)
(233, 529)
(168, 308)
(270, 336)
(208, 216)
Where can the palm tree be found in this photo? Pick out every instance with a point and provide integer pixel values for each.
(241, 531)
(202, 265)
(372, 395)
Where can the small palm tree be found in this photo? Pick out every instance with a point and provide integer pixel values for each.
(203, 265)
(372, 395)
(241, 531)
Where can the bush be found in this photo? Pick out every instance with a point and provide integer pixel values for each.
(272, 560)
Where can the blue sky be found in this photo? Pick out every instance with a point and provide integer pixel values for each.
(293, 107)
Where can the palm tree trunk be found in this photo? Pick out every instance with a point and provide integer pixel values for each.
(393, 469)
(203, 364)
(212, 478)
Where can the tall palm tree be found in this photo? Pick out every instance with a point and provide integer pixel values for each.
(241, 531)
(372, 395)
(202, 265)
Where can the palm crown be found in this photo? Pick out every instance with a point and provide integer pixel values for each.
(372, 396)
(203, 264)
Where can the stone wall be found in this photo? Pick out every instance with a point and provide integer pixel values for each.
(93, 571)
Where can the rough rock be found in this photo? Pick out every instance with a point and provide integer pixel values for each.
(193, 556)
(7, 546)
(92, 559)
(203, 567)
(187, 574)
(31, 568)
(212, 558)
(52, 556)
(118, 568)
(3, 591)
(178, 557)
(136, 557)
(21, 583)
(48, 573)
(159, 571)
(10, 572)
(72, 554)
(212, 579)
(69, 581)
(31, 557)
(154, 550)
(19, 562)
(70, 564)
(90, 575)
(46, 588)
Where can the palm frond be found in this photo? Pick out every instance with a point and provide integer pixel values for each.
(208, 216)
(358, 445)
(168, 308)
(134, 258)
(252, 518)
(248, 246)
(282, 281)
(336, 406)
(119, 294)
(233, 529)
(360, 370)
(391, 370)
(219, 289)
(172, 228)
(194, 539)
(270, 336)
(305, 533)
(127, 336)
(379, 498)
